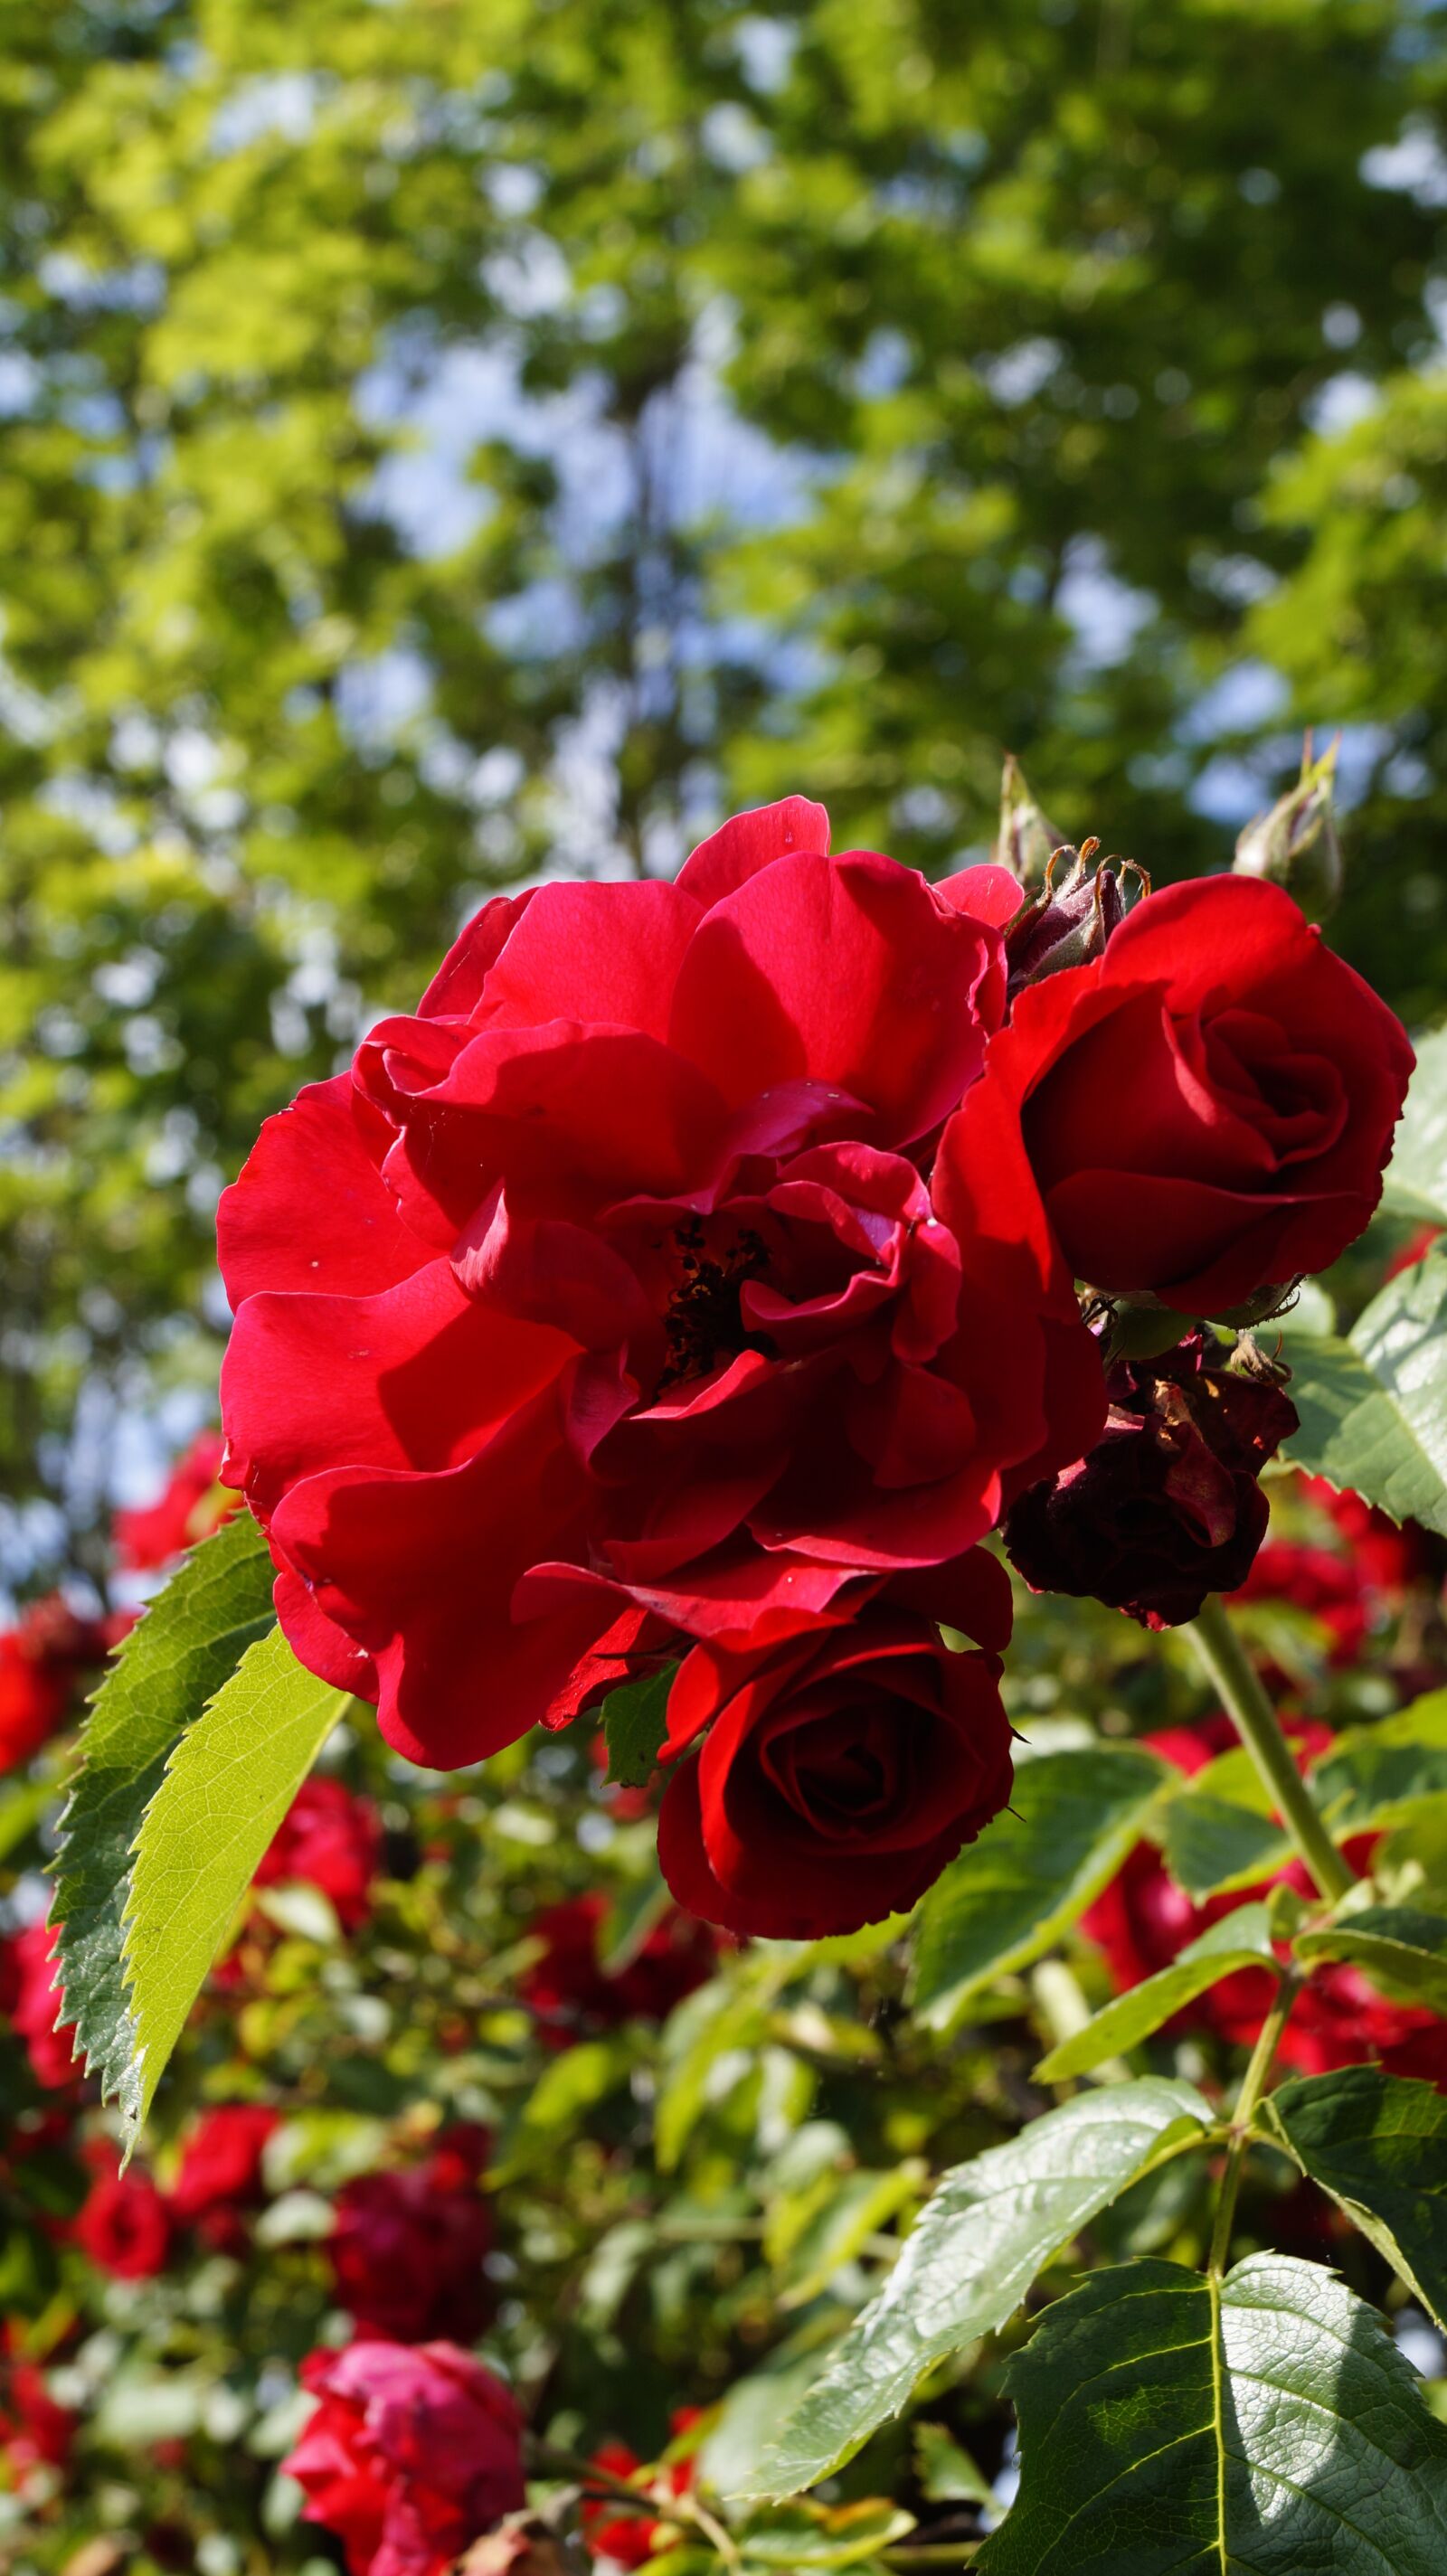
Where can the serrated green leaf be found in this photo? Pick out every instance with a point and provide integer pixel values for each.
(1401, 1947)
(228, 1784)
(1263, 2426)
(182, 1649)
(1374, 1776)
(1378, 2144)
(1240, 1940)
(635, 1723)
(1373, 1409)
(1212, 1846)
(971, 2257)
(1074, 1816)
(1415, 1183)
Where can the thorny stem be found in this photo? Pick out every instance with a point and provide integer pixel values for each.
(1229, 1667)
(1253, 2085)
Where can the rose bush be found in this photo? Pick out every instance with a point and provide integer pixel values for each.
(618, 1258)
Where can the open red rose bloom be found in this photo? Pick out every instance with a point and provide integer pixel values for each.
(693, 1278)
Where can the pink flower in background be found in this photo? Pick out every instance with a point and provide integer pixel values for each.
(413, 2451)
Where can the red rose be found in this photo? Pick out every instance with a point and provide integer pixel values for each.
(1167, 1506)
(220, 2170)
(329, 1839)
(570, 1981)
(191, 1505)
(33, 2428)
(838, 1772)
(125, 2225)
(1205, 1109)
(31, 2001)
(618, 1256)
(43, 1660)
(411, 2453)
(1143, 1920)
(407, 2247)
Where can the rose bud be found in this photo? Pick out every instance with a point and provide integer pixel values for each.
(1201, 1112)
(836, 1776)
(1026, 838)
(413, 2452)
(1294, 843)
(1069, 922)
(1167, 1506)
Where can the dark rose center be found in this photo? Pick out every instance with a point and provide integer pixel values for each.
(702, 1322)
(843, 1770)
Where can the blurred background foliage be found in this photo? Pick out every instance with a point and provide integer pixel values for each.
(444, 442)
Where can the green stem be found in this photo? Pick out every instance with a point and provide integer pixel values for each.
(1225, 1659)
(1253, 2085)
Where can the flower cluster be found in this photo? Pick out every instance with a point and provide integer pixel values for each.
(701, 1273)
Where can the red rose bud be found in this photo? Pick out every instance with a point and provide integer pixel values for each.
(836, 1775)
(413, 2452)
(1167, 1506)
(1026, 840)
(618, 1254)
(407, 2247)
(1294, 843)
(1069, 921)
(1201, 1112)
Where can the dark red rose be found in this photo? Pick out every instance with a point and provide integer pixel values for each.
(407, 2246)
(30, 2000)
(125, 2225)
(1167, 1506)
(44, 1659)
(331, 1840)
(837, 1772)
(1330, 1587)
(220, 2171)
(1205, 1109)
(1142, 1920)
(412, 2452)
(190, 1506)
(569, 1982)
(617, 1257)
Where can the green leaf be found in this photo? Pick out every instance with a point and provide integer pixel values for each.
(977, 2247)
(1416, 1178)
(947, 2474)
(1074, 1817)
(1374, 1776)
(635, 1723)
(1378, 2144)
(1374, 1409)
(1211, 1845)
(1241, 1940)
(1404, 1949)
(858, 2205)
(842, 2535)
(1266, 2425)
(182, 1649)
(228, 1785)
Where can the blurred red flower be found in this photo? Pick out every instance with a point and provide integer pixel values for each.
(30, 2000)
(407, 2245)
(331, 1839)
(412, 2452)
(43, 1660)
(569, 1977)
(125, 2225)
(190, 1506)
(220, 2170)
(609, 2529)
